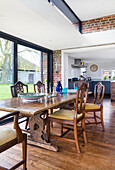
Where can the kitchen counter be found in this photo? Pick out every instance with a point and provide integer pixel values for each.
(92, 84)
(112, 90)
(71, 84)
(106, 83)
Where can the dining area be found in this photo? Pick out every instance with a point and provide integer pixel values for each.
(35, 107)
(55, 122)
(57, 85)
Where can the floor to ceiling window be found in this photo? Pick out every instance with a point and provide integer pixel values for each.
(109, 74)
(32, 66)
(29, 66)
(44, 66)
(23, 61)
(5, 68)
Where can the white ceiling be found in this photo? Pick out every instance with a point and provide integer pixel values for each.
(101, 49)
(38, 22)
(90, 9)
(105, 54)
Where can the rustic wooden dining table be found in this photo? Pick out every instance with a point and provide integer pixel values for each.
(34, 109)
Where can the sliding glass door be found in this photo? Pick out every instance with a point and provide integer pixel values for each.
(32, 66)
(5, 68)
(24, 61)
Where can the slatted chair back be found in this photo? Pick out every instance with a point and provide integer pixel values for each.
(18, 88)
(99, 93)
(79, 83)
(81, 98)
(38, 86)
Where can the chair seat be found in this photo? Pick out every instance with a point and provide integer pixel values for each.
(65, 114)
(91, 106)
(6, 134)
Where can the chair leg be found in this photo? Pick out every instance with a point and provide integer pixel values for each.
(61, 128)
(52, 124)
(24, 150)
(95, 118)
(76, 137)
(27, 121)
(51, 111)
(102, 119)
(48, 130)
(84, 130)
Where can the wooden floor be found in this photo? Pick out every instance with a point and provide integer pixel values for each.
(97, 154)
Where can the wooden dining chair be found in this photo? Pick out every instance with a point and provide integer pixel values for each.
(71, 106)
(10, 137)
(96, 106)
(37, 87)
(18, 88)
(71, 117)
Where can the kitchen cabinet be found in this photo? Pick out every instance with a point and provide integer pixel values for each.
(72, 83)
(107, 85)
(92, 84)
(113, 90)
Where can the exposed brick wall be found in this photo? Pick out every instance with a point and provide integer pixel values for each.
(99, 24)
(57, 73)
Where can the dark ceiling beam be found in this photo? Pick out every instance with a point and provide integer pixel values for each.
(67, 11)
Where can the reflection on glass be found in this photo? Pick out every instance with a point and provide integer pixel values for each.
(5, 68)
(50, 88)
(32, 66)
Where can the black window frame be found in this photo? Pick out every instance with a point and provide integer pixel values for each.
(18, 41)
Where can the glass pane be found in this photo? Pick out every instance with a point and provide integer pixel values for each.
(110, 74)
(30, 66)
(113, 74)
(105, 74)
(5, 68)
(45, 68)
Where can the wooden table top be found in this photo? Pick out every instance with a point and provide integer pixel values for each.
(30, 108)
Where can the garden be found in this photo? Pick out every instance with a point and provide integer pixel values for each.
(5, 91)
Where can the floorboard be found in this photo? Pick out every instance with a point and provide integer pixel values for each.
(97, 154)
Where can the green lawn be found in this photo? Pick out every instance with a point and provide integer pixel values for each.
(5, 92)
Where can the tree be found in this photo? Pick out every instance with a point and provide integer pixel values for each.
(6, 59)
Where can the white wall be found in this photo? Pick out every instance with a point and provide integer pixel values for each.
(67, 70)
(73, 72)
(99, 73)
(64, 69)
(94, 75)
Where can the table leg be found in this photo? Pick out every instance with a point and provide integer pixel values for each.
(51, 111)
(38, 135)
